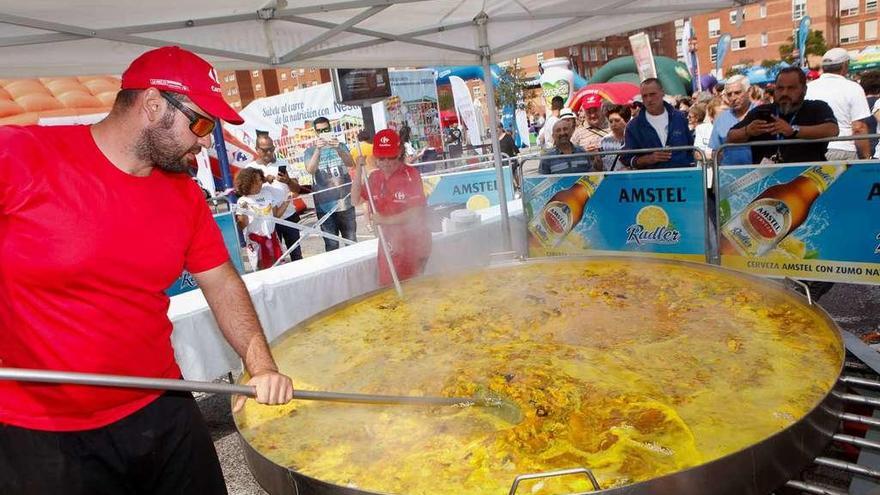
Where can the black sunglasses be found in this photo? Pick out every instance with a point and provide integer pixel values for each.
(200, 125)
(322, 130)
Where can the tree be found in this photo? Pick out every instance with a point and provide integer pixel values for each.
(511, 86)
(815, 46)
(769, 64)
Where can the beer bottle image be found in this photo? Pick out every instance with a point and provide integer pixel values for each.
(776, 212)
(562, 213)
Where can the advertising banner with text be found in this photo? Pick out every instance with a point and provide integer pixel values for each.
(474, 189)
(653, 213)
(817, 222)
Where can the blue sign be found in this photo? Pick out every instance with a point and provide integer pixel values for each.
(819, 222)
(476, 189)
(226, 222)
(661, 213)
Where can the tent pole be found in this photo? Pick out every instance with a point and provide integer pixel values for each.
(486, 58)
(222, 157)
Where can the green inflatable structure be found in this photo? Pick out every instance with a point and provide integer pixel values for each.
(672, 74)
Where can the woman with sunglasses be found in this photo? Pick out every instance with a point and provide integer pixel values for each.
(397, 194)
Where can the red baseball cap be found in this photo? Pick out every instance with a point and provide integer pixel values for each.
(174, 69)
(591, 101)
(386, 144)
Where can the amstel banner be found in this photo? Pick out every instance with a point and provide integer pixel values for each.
(473, 189)
(818, 222)
(649, 213)
(226, 222)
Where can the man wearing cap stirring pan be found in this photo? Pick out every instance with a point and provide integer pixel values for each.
(95, 223)
(400, 208)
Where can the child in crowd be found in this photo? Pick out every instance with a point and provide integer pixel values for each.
(254, 200)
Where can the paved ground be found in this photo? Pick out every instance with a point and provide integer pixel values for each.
(855, 307)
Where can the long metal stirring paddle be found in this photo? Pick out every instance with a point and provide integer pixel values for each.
(499, 406)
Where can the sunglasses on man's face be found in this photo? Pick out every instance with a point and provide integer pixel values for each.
(322, 130)
(200, 125)
(268, 149)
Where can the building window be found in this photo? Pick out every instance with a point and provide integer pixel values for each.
(870, 5)
(284, 76)
(302, 71)
(764, 39)
(255, 73)
(714, 28)
(285, 90)
(713, 53)
(621, 51)
(737, 44)
(585, 54)
(762, 11)
(314, 83)
(258, 87)
(849, 7)
(594, 56)
(603, 54)
(798, 9)
(540, 57)
(733, 16)
(871, 30)
(849, 33)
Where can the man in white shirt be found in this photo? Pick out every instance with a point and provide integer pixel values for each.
(545, 136)
(848, 102)
(281, 187)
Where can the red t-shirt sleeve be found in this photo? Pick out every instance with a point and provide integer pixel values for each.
(206, 249)
(17, 151)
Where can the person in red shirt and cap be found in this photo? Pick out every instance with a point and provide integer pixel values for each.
(85, 258)
(590, 132)
(399, 203)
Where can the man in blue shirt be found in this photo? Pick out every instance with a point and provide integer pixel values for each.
(329, 162)
(736, 94)
(555, 161)
(657, 126)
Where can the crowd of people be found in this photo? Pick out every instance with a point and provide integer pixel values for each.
(720, 121)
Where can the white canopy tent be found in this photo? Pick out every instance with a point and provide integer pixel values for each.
(78, 37)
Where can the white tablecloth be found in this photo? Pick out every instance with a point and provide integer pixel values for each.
(288, 294)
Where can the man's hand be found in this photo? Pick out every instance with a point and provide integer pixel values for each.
(272, 388)
(654, 158)
(780, 126)
(758, 127)
(593, 147)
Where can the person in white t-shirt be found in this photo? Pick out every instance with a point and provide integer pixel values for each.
(545, 135)
(282, 188)
(848, 102)
(255, 212)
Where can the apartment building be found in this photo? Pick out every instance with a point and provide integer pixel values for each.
(765, 26)
(241, 87)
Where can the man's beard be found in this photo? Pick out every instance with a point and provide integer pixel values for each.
(789, 107)
(156, 145)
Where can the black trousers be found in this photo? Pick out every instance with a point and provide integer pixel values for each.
(290, 235)
(165, 448)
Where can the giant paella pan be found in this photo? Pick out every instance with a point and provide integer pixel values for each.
(655, 377)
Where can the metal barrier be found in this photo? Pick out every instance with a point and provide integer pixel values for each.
(309, 230)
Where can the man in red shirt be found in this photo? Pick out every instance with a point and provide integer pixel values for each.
(399, 201)
(95, 223)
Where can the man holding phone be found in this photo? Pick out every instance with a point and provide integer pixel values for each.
(330, 162)
(281, 187)
(791, 116)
